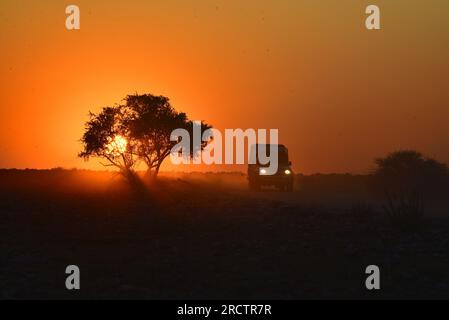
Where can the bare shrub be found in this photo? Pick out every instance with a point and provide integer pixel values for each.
(405, 211)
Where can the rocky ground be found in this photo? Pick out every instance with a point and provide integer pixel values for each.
(206, 237)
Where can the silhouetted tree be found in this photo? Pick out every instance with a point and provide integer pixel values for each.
(140, 129)
(151, 120)
(106, 137)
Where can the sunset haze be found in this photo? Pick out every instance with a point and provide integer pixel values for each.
(340, 95)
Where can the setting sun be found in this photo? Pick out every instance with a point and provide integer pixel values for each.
(117, 145)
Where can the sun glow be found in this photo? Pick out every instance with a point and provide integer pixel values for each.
(117, 145)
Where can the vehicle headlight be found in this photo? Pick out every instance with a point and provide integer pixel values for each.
(262, 171)
(287, 171)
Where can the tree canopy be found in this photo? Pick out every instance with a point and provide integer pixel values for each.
(137, 130)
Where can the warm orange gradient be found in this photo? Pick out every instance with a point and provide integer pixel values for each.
(339, 94)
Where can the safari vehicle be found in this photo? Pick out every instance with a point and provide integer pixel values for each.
(258, 175)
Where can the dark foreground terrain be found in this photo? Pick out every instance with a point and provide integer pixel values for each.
(204, 236)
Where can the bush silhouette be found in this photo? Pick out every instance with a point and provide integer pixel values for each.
(410, 171)
(406, 178)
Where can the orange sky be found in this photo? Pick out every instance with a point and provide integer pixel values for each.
(339, 94)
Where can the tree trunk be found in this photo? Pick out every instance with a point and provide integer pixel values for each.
(152, 172)
(157, 169)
